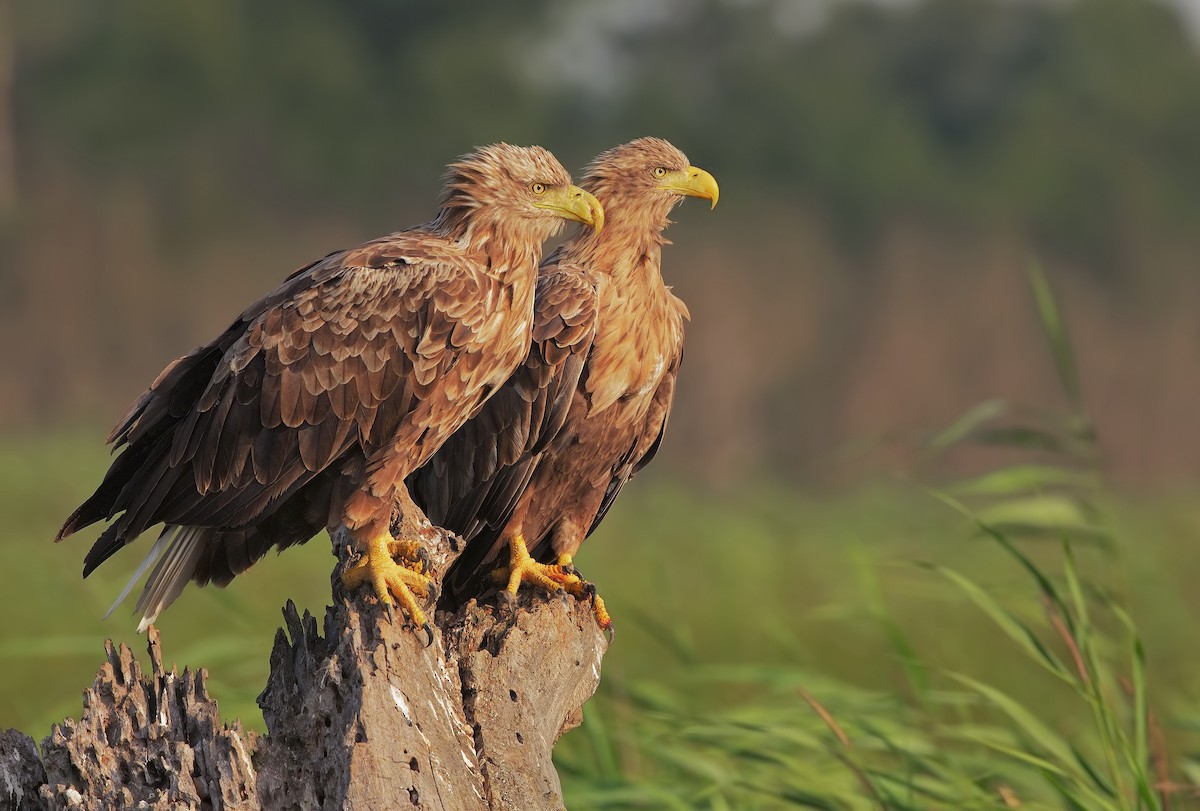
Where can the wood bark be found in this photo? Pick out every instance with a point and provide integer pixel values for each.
(360, 714)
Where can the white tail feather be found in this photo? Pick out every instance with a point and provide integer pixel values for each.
(173, 571)
(159, 545)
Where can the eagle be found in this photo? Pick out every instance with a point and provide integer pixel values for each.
(540, 465)
(317, 402)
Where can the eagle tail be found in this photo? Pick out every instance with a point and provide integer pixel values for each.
(172, 573)
(180, 548)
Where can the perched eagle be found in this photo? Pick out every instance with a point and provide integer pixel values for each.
(311, 409)
(542, 462)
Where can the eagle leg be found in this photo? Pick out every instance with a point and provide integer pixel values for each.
(556, 578)
(522, 568)
(390, 579)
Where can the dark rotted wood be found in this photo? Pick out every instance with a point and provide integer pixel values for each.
(151, 741)
(21, 772)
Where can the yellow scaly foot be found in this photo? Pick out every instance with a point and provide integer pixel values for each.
(411, 554)
(524, 569)
(389, 579)
(553, 578)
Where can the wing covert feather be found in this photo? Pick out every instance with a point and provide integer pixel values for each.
(477, 476)
(300, 377)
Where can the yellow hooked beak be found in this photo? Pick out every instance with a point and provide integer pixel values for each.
(692, 182)
(573, 203)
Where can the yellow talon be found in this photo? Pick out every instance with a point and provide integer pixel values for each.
(389, 579)
(583, 590)
(602, 617)
(522, 568)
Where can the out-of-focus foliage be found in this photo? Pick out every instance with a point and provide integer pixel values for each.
(779, 650)
(729, 612)
(949, 739)
(1067, 119)
(886, 167)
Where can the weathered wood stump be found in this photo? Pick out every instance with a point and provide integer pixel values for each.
(154, 739)
(360, 714)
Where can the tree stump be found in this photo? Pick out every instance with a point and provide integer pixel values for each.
(360, 714)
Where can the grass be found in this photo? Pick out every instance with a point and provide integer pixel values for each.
(995, 664)
(981, 681)
(1018, 639)
(774, 648)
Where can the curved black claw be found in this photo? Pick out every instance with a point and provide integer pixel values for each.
(428, 629)
(387, 609)
(424, 559)
(507, 603)
(432, 598)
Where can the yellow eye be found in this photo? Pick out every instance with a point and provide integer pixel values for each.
(538, 188)
(660, 172)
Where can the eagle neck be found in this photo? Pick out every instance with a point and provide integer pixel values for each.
(626, 251)
(504, 245)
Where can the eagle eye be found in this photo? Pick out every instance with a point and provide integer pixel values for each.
(538, 188)
(660, 171)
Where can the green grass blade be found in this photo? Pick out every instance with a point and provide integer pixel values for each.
(1139, 757)
(910, 662)
(1033, 728)
(1093, 774)
(1047, 514)
(1030, 438)
(1012, 627)
(1079, 799)
(975, 418)
(1046, 586)
(1075, 590)
(1018, 479)
(1019, 754)
(1056, 334)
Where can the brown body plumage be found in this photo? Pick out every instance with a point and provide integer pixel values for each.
(313, 406)
(547, 456)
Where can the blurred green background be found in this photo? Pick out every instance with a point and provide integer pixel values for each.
(889, 170)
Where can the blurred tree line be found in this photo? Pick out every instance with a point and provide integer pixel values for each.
(888, 170)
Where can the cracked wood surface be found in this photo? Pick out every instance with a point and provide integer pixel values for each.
(359, 715)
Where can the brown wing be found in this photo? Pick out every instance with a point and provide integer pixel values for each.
(476, 478)
(648, 441)
(329, 363)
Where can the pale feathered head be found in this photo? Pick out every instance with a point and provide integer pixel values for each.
(516, 186)
(644, 179)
